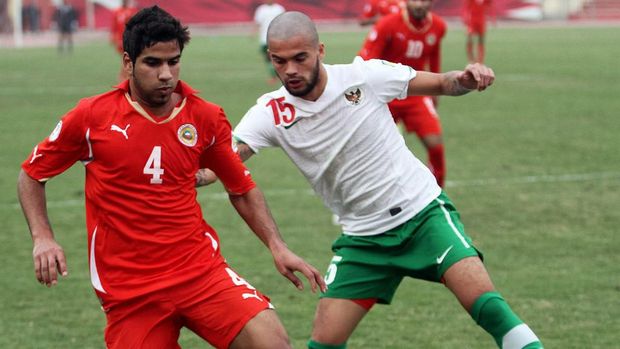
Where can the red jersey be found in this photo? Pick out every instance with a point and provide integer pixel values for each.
(397, 39)
(120, 17)
(475, 11)
(145, 228)
(381, 8)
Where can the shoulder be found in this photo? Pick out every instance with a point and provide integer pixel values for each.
(101, 102)
(439, 23)
(390, 20)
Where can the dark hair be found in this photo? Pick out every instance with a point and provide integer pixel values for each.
(150, 26)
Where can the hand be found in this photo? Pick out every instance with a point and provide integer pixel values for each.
(49, 261)
(476, 76)
(287, 263)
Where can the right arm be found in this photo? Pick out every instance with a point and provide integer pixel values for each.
(455, 83)
(48, 256)
(204, 176)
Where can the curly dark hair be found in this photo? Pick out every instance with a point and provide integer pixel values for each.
(150, 26)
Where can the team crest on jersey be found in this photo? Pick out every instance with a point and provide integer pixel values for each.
(187, 135)
(56, 132)
(431, 39)
(353, 95)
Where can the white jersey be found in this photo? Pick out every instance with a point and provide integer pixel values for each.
(263, 15)
(347, 145)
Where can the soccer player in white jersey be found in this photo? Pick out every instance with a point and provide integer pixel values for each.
(334, 124)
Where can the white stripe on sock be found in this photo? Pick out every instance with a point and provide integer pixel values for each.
(518, 337)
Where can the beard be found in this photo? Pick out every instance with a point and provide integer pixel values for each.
(314, 80)
(152, 98)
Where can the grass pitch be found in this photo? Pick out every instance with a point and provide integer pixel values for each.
(533, 166)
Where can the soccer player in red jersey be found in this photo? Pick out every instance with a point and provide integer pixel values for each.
(120, 16)
(155, 264)
(413, 37)
(474, 16)
(375, 9)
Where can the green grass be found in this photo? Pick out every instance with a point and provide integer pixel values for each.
(533, 165)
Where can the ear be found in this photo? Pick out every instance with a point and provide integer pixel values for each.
(321, 50)
(127, 64)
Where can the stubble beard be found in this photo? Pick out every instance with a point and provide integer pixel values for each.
(314, 80)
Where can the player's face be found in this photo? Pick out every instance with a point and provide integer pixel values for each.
(297, 62)
(418, 9)
(155, 74)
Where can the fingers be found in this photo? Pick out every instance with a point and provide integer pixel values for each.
(483, 75)
(312, 274)
(48, 265)
(294, 279)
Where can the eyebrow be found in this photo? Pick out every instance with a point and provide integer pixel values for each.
(153, 58)
(298, 55)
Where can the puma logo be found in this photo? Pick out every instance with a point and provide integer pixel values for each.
(35, 155)
(121, 130)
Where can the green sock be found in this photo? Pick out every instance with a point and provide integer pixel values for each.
(494, 315)
(316, 345)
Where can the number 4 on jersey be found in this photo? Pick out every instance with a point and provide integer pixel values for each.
(153, 166)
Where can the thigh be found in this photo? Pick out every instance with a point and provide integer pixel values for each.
(145, 322)
(263, 331)
(219, 306)
(439, 241)
(335, 320)
(357, 272)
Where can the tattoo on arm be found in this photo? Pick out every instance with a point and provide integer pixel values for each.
(244, 151)
(452, 86)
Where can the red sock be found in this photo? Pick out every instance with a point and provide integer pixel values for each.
(437, 160)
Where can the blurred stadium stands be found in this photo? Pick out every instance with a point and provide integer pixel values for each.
(237, 14)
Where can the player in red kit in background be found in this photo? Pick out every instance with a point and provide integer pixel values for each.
(475, 17)
(120, 17)
(413, 37)
(375, 9)
(155, 263)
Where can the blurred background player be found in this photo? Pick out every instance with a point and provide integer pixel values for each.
(375, 9)
(413, 38)
(120, 17)
(263, 15)
(474, 17)
(66, 21)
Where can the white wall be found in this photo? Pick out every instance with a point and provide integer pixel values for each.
(560, 9)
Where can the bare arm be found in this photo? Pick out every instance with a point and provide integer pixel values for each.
(47, 254)
(252, 207)
(204, 176)
(455, 83)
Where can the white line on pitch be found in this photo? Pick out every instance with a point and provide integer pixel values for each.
(580, 177)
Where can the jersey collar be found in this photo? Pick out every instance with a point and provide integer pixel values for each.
(182, 88)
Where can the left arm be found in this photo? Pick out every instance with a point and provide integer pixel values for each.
(252, 207)
(455, 83)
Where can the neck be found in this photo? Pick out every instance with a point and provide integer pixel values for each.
(158, 111)
(318, 90)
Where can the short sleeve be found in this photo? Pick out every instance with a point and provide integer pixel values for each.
(67, 144)
(388, 80)
(256, 128)
(222, 159)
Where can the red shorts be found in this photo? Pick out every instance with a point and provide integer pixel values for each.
(215, 306)
(477, 27)
(417, 114)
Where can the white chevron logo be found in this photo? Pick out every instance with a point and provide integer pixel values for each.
(121, 130)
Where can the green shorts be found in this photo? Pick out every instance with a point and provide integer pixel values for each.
(424, 247)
